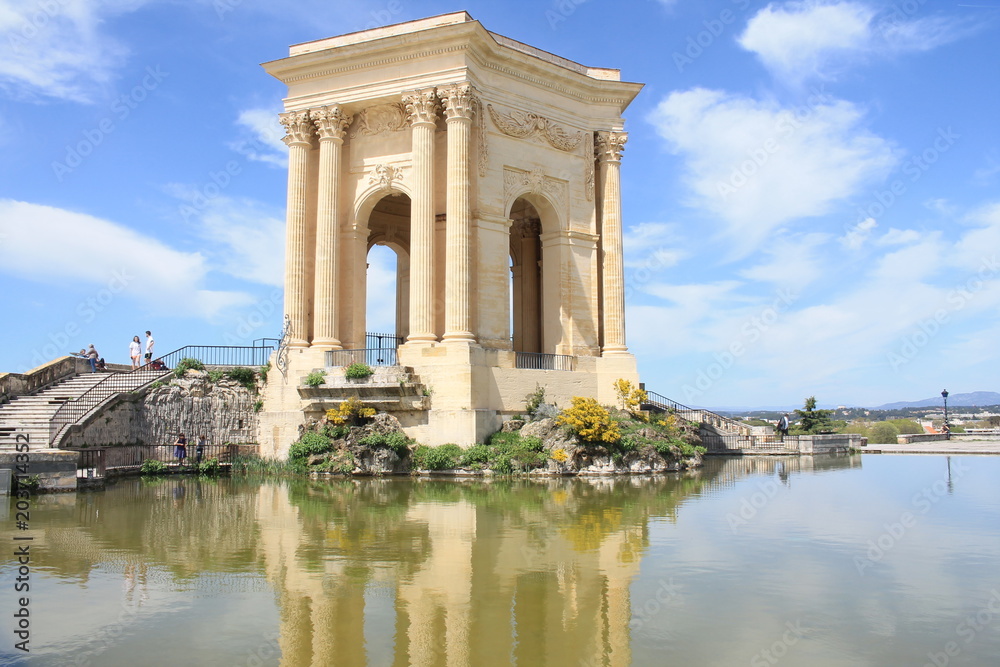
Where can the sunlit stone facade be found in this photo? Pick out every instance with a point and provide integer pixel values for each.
(492, 169)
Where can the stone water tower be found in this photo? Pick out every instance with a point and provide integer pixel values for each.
(491, 169)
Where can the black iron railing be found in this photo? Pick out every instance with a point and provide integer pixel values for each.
(96, 461)
(544, 362)
(71, 412)
(380, 350)
(659, 403)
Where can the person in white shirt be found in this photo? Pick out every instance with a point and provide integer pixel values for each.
(149, 347)
(135, 352)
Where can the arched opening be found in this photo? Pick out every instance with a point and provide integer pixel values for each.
(526, 277)
(388, 271)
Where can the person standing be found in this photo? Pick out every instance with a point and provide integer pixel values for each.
(149, 347)
(92, 357)
(783, 425)
(135, 352)
(199, 449)
(180, 449)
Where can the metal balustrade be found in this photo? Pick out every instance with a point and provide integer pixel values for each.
(537, 361)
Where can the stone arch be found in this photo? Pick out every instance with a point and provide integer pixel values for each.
(530, 266)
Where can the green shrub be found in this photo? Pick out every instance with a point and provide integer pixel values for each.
(534, 399)
(188, 363)
(336, 431)
(476, 456)
(29, 483)
(308, 445)
(245, 376)
(215, 375)
(397, 442)
(254, 465)
(258, 405)
(510, 452)
(158, 384)
(906, 426)
(443, 457)
(315, 379)
(358, 371)
(883, 433)
(590, 421)
(152, 467)
(264, 370)
(211, 467)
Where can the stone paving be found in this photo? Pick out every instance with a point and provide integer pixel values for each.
(938, 447)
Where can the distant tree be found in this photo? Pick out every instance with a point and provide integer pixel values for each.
(906, 426)
(813, 421)
(994, 421)
(883, 433)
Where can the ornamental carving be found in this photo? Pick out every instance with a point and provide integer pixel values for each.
(459, 100)
(484, 149)
(331, 121)
(515, 182)
(381, 119)
(421, 106)
(588, 170)
(298, 127)
(524, 125)
(384, 175)
(526, 227)
(610, 146)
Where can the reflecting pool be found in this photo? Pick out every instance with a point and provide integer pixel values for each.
(873, 560)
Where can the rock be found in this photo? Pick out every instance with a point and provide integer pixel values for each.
(316, 459)
(512, 425)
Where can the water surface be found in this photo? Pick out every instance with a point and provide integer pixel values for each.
(874, 560)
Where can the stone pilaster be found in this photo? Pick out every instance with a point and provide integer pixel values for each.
(459, 103)
(609, 152)
(331, 122)
(298, 138)
(422, 107)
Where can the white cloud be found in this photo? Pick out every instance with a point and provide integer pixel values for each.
(798, 38)
(816, 38)
(790, 262)
(900, 237)
(264, 143)
(652, 246)
(58, 49)
(859, 233)
(54, 245)
(759, 165)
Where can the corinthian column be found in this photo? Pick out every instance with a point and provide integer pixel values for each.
(298, 134)
(609, 153)
(422, 106)
(331, 122)
(459, 107)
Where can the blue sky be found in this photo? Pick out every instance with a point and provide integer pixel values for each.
(811, 188)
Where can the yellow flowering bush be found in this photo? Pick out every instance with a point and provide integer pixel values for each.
(352, 410)
(630, 397)
(559, 455)
(590, 421)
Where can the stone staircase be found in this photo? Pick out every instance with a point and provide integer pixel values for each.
(32, 415)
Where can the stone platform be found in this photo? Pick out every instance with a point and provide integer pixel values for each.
(949, 447)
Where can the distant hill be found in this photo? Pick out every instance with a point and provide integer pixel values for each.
(974, 398)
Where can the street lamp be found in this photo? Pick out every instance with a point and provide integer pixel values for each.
(944, 395)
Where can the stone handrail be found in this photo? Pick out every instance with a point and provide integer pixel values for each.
(22, 384)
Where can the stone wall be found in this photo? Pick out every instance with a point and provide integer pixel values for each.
(222, 410)
(56, 470)
(20, 384)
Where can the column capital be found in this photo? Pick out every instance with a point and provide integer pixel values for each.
(422, 106)
(298, 127)
(459, 100)
(331, 121)
(610, 145)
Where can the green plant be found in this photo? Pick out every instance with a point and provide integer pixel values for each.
(258, 405)
(264, 371)
(630, 397)
(186, 364)
(883, 433)
(336, 431)
(358, 371)
(308, 445)
(157, 384)
(245, 376)
(315, 379)
(152, 467)
(590, 421)
(254, 465)
(476, 456)
(215, 375)
(442, 457)
(211, 467)
(811, 420)
(29, 483)
(534, 399)
(511, 452)
(397, 442)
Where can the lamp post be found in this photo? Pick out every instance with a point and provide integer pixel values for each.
(947, 429)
